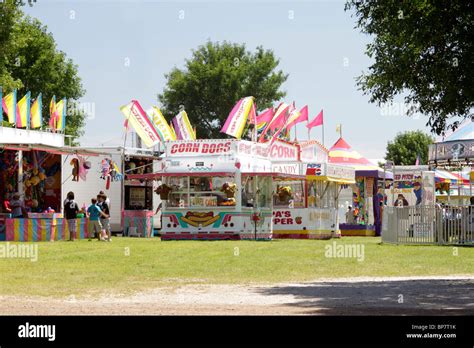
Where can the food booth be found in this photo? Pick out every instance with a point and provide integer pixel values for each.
(216, 189)
(31, 163)
(366, 195)
(306, 193)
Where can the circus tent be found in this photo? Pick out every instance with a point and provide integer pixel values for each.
(367, 192)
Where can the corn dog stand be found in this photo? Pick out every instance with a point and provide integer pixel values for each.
(215, 189)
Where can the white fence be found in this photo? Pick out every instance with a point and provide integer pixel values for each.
(450, 225)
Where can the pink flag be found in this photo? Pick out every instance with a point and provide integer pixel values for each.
(264, 117)
(318, 121)
(277, 121)
(303, 116)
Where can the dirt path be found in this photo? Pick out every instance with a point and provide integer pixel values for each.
(348, 296)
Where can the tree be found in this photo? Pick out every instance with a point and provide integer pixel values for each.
(33, 63)
(407, 146)
(215, 78)
(423, 49)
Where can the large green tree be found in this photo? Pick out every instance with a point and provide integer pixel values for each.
(32, 62)
(407, 146)
(423, 50)
(217, 75)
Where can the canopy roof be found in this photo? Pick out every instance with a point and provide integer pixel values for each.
(341, 153)
(464, 132)
(451, 177)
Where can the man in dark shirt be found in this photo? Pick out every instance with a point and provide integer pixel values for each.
(70, 210)
(105, 221)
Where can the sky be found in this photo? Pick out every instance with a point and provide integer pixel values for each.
(123, 49)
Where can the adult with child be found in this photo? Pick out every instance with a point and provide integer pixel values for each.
(104, 221)
(94, 213)
(71, 208)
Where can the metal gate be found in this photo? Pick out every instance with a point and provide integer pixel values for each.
(433, 224)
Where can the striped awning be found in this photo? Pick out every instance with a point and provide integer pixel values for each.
(341, 153)
(455, 178)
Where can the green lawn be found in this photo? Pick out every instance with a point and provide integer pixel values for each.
(65, 268)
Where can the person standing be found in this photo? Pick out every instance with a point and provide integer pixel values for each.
(94, 213)
(104, 221)
(17, 206)
(71, 208)
(107, 200)
(350, 220)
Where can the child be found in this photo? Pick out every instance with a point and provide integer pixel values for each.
(104, 221)
(94, 213)
(71, 209)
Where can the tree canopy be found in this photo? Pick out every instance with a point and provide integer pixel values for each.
(407, 146)
(31, 61)
(423, 50)
(215, 78)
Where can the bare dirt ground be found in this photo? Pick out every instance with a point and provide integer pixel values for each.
(348, 296)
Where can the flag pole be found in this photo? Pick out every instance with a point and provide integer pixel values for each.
(322, 130)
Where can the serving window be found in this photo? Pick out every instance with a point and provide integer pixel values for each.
(321, 194)
(256, 191)
(288, 194)
(201, 191)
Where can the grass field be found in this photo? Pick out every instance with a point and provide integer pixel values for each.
(82, 267)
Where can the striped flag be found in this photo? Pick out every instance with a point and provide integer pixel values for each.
(23, 111)
(36, 115)
(9, 106)
(52, 113)
(60, 110)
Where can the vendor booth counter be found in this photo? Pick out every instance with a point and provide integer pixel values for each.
(43, 227)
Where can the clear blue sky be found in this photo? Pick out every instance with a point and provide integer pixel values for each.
(315, 40)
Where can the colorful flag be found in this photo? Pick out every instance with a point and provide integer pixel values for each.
(36, 116)
(164, 130)
(297, 117)
(278, 120)
(23, 111)
(61, 114)
(141, 123)
(237, 119)
(52, 113)
(9, 106)
(182, 126)
(263, 119)
(318, 121)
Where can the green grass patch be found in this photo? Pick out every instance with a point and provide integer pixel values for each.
(128, 264)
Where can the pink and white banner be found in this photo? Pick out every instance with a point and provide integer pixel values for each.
(182, 127)
(235, 123)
